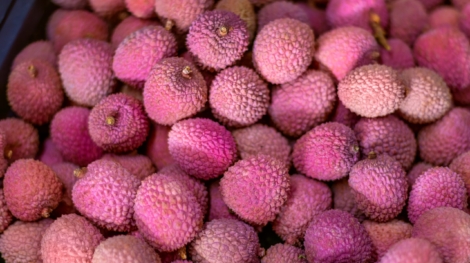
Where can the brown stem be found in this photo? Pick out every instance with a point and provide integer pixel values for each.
(46, 212)
(110, 120)
(32, 70)
(169, 25)
(223, 31)
(379, 32)
(187, 72)
(79, 172)
(8, 153)
(372, 155)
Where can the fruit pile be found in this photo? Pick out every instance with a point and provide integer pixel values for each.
(240, 131)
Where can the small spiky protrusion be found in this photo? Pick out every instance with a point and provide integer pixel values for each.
(379, 32)
(110, 120)
(187, 72)
(33, 72)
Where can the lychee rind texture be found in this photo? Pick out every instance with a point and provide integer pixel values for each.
(461, 165)
(118, 123)
(388, 135)
(218, 38)
(238, 97)
(437, 187)
(428, 97)
(141, 8)
(354, 45)
(327, 152)
(48, 153)
(66, 172)
(157, 146)
(129, 26)
(22, 139)
(464, 19)
(138, 165)
(256, 188)
(281, 9)
(444, 16)
(372, 91)
(400, 55)
(343, 115)
(336, 236)
(380, 187)
(283, 50)
(298, 106)
(71, 4)
(105, 195)
(70, 238)
(107, 8)
(167, 213)
(85, 70)
(32, 190)
(21, 242)
(201, 147)
(244, 9)
(414, 250)
(138, 53)
(217, 207)
(5, 215)
(41, 49)
(446, 51)
(417, 170)
(175, 89)
(34, 91)
(440, 142)
(262, 139)
(69, 133)
(342, 13)
(408, 18)
(343, 199)
(76, 24)
(385, 235)
(182, 12)
(307, 198)
(225, 240)
(124, 249)
(448, 229)
(281, 253)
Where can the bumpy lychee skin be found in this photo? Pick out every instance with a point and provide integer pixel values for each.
(202, 147)
(438, 186)
(283, 50)
(71, 4)
(76, 24)
(48, 153)
(182, 13)
(399, 56)
(225, 240)
(444, 16)
(327, 152)
(85, 69)
(388, 135)
(448, 229)
(138, 165)
(380, 187)
(307, 199)
(461, 165)
(68, 174)
(32, 190)
(280, 9)
(181, 221)
(281, 253)
(343, 198)
(244, 9)
(5, 215)
(428, 97)
(336, 236)
(218, 38)
(414, 250)
(440, 142)
(21, 242)
(3, 157)
(41, 49)
(446, 51)
(417, 170)
(385, 235)
(175, 90)
(256, 188)
(408, 18)
(316, 18)
(157, 146)
(299, 105)
(107, 8)
(138, 53)
(34, 91)
(262, 139)
(70, 238)
(141, 8)
(372, 91)
(339, 13)
(217, 207)
(118, 123)
(464, 19)
(129, 26)
(124, 249)
(460, 4)
(430, 4)
(343, 115)
(238, 97)
(105, 181)
(69, 133)
(354, 45)
(22, 139)
(197, 187)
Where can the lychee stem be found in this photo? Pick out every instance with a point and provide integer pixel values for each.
(379, 32)
(33, 72)
(223, 31)
(110, 120)
(182, 253)
(169, 25)
(355, 148)
(46, 212)
(79, 172)
(8, 153)
(372, 155)
(187, 72)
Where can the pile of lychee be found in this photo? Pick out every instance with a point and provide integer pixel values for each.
(240, 131)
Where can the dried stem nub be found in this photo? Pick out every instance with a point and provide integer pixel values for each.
(379, 32)
(187, 72)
